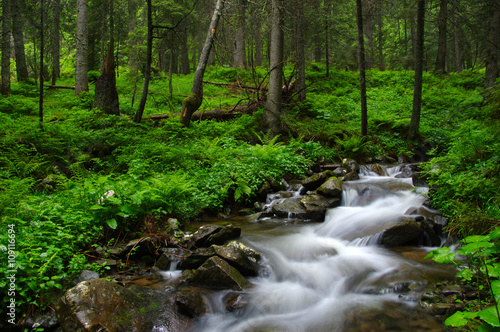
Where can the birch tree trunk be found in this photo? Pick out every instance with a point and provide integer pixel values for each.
(272, 112)
(193, 101)
(81, 66)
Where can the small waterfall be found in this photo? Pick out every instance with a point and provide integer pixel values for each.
(331, 276)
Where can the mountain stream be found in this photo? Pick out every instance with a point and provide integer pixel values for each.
(332, 276)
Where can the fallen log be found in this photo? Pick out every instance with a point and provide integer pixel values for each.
(59, 87)
(219, 115)
(236, 85)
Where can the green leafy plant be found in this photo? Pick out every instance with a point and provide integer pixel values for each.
(480, 269)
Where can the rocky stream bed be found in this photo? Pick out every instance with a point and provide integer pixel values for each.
(341, 250)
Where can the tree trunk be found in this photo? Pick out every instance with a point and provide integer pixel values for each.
(272, 112)
(147, 70)
(5, 86)
(361, 64)
(56, 68)
(368, 29)
(458, 48)
(193, 101)
(106, 96)
(17, 33)
(441, 53)
(132, 23)
(42, 51)
(381, 64)
(81, 66)
(185, 66)
(419, 61)
(239, 55)
(492, 57)
(301, 57)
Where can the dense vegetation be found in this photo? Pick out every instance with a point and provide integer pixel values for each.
(85, 179)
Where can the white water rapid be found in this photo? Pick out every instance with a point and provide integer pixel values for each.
(330, 276)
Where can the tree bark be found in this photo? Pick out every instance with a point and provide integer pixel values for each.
(458, 48)
(193, 101)
(362, 69)
(56, 68)
(147, 71)
(239, 55)
(272, 112)
(106, 96)
(301, 57)
(17, 33)
(441, 53)
(5, 84)
(81, 65)
(492, 57)
(42, 51)
(419, 61)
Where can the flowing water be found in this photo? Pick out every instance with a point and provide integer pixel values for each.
(332, 276)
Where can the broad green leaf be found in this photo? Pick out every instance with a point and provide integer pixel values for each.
(459, 318)
(490, 316)
(494, 271)
(495, 288)
(494, 234)
(112, 223)
(475, 238)
(97, 207)
(488, 328)
(475, 247)
(442, 255)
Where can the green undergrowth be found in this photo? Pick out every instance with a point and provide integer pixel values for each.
(84, 177)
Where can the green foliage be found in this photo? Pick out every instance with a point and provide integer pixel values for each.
(481, 269)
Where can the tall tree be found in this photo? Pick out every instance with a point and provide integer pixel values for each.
(42, 53)
(493, 44)
(362, 68)
(17, 33)
(419, 63)
(441, 53)
(301, 55)
(239, 55)
(147, 70)
(56, 69)
(272, 112)
(81, 66)
(5, 84)
(193, 101)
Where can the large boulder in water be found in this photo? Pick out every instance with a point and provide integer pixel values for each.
(332, 187)
(101, 305)
(350, 165)
(241, 257)
(408, 232)
(313, 182)
(207, 235)
(217, 273)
